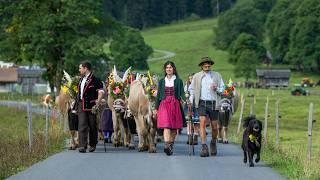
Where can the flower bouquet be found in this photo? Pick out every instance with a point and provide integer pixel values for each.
(70, 85)
(228, 91)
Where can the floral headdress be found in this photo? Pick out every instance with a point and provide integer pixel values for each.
(119, 87)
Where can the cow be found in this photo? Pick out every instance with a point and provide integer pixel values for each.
(118, 108)
(141, 107)
(228, 107)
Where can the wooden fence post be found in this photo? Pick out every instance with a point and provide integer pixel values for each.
(47, 125)
(241, 115)
(277, 122)
(310, 119)
(266, 112)
(29, 112)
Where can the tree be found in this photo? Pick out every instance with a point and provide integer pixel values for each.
(246, 53)
(55, 34)
(129, 49)
(246, 42)
(60, 34)
(278, 27)
(242, 18)
(246, 64)
(304, 49)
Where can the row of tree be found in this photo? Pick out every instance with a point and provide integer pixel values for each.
(58, 34)
(289, 29)
(146, 13)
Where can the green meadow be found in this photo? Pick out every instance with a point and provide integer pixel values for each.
(192, 40)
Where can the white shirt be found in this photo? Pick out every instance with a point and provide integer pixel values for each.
(170, 82)
(207, 93)
(83, 82)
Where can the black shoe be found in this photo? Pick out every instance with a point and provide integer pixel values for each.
(204, 151)
(92, 148)
(168, 148)
(82, 150)
(213, 147)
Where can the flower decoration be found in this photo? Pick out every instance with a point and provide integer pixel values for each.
(151, 88)
(117, 90)
(70, 86)
(228, 91)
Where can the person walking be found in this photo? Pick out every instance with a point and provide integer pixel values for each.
(90, 94)
(203, 92)
(168, 105)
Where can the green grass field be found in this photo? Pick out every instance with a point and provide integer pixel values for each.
(192, 40)
(15, 155)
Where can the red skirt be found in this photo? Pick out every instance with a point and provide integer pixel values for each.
(169, 113)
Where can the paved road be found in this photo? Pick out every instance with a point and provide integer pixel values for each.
(167, 55)
(120, 163)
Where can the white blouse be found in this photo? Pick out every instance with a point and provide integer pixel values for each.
(170, 82)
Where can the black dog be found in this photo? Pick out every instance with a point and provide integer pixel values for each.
(251, 142)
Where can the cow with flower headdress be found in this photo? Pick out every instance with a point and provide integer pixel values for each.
(66, 104)
(141, 101)
(118, 88)
(228, 104)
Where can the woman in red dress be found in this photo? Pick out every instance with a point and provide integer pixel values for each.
(169, 110)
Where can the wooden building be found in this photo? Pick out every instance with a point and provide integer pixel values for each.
(273, 77)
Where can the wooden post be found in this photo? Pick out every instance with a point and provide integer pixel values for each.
(252, 107)
(266, 121)
(277, 122)
(29, 111)
(241, 115)
(310, 119)
(47, 125)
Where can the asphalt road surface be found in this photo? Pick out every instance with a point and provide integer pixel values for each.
(121, 163)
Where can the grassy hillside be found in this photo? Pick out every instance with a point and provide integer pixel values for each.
(192, 40)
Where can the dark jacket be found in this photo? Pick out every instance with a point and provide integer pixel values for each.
(178, 91)
(90, 92)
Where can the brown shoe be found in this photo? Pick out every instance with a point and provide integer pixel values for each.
(204, 151)
(195, 140)
(213, 147)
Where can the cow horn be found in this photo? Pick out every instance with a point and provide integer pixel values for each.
(126, 74)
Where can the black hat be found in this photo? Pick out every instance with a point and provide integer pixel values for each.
(204, 60)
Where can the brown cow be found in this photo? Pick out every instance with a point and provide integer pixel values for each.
(140, 107)
(118, 108)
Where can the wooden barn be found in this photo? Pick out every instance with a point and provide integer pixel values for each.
(273, 77)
